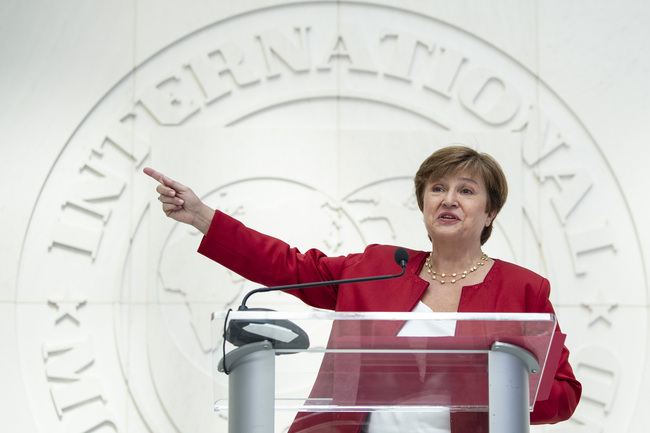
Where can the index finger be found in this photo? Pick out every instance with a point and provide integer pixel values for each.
(164, 180)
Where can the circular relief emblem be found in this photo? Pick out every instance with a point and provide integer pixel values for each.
(305, 121)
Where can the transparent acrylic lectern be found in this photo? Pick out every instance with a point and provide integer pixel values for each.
(497, 363)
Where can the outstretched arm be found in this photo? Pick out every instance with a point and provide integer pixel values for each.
(181, 203)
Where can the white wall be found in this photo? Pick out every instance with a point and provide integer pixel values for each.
(91, 92)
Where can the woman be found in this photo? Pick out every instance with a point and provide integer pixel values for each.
(459, 192)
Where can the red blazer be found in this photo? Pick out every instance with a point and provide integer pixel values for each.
(271, 262)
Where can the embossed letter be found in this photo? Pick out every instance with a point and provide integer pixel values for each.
(541, 137)
(168, 102)
(84, 238)
(447, 65)
(105, 186)
(588, 240)
(79, 399)
(600, 373)
(348, 43)
(70, 360)
(77, 238)
(276, 45)
(401, 62)
(572, 189)
(488, 96)
(209, 74)
(126, 139)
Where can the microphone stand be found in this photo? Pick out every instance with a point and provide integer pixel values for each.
(240, 332)
(317, 284)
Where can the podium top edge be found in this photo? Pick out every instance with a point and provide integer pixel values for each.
(382, 315)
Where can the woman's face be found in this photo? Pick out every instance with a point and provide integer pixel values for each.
(455, 209)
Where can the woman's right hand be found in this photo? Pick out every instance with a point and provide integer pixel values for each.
(180, 202)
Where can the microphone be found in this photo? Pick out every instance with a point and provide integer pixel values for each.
(401, 257)
(283, 334)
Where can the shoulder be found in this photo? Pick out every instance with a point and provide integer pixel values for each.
(515, 277)
(512, 277)
(511, 270)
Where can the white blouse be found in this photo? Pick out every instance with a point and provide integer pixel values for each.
(414, 422)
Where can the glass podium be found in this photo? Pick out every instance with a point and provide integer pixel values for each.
(319, 361)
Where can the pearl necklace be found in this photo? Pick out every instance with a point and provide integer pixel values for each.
(453, 275)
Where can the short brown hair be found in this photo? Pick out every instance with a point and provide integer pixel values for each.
(453, 160)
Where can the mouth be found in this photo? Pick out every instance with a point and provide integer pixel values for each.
(448, 217)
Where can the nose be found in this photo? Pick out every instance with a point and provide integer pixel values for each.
(450, 199)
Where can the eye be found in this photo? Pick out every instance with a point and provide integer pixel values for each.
(437, 188)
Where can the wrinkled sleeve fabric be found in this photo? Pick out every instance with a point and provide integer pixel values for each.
(269, 261)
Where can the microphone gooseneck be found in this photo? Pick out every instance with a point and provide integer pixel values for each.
(284, 334)
(401, 257)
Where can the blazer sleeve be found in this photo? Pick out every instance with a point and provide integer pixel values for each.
(566, 390)
(269, 261)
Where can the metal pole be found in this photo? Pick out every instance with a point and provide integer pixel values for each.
(251, 388)
(509, 406)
